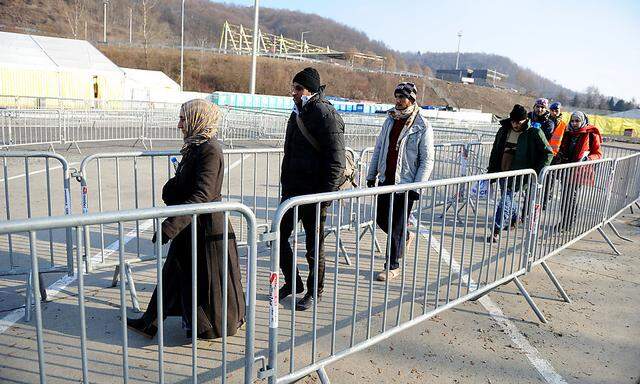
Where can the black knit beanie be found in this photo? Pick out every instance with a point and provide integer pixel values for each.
(407, 90)
(518, 113)
(308, 78)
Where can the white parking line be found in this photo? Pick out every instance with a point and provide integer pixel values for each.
(54, 289)
(541, 365)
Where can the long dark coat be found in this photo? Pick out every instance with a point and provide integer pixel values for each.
(198, 180)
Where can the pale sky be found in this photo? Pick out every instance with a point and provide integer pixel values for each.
(576, 43)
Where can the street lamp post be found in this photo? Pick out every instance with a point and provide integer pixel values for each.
(254, 53)
(302, 42)
(130, 25)
(104, 25)
(458, 55)
(182, 49)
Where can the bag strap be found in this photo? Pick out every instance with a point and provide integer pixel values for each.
(314, 143)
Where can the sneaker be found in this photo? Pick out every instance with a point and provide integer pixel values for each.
(141, 327)
(393, 273)
(307, 302)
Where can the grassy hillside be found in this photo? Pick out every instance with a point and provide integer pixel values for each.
(208, 72)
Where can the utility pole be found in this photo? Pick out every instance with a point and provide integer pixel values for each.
(130, 25)
(104, 26)
(302, 42)
(254, 54)
(85, 29)
(182, 50)
(458, 55)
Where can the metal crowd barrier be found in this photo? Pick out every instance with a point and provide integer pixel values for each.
(89, 347)
(54, 198)
(19, 127)
(30, 127)
(447, 259)
(446, 264)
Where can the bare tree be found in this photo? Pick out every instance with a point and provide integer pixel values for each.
(74, 14)
(146, 6)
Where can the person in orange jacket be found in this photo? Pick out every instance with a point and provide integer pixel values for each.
(555, 115)
(555, 139)
(581, 142)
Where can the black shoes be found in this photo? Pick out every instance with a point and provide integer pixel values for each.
(286, 290)
(307, 302)
(142, 327)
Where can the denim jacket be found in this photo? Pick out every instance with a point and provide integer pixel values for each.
(415, 153)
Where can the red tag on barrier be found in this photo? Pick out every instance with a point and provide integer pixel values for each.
(273, 300)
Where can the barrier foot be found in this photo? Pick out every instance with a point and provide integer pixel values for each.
(555, 282)
(74, 144)
(132, 287)
(322, 375)
(51, 148)
(609, 242)
(532, 304)
(615, 230)
(27, 300)
(369, 228)
(343, 250)
(116, 276)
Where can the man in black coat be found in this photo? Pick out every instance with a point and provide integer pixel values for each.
(314, 162)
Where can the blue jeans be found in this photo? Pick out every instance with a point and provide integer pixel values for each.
(507, 210)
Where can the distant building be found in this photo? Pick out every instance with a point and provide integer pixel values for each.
(483, 77)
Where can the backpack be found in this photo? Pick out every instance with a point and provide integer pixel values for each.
(350, 162)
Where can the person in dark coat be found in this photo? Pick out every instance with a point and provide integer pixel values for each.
(518, 145)
(313, 162)
(541, 115)
(198, 179)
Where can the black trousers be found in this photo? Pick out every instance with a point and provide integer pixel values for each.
(569, 205)
(397, 223)
(306, 214)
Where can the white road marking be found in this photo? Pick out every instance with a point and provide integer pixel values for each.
(540, 364)
(54, 289)
(34, 172)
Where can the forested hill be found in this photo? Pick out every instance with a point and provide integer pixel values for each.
(203, 25)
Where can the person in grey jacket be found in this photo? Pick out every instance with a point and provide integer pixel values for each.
(404, 153)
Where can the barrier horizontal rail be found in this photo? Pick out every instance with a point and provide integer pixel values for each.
(79, 222)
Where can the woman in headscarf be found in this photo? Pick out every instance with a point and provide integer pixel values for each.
(581, 142)
(198, 179)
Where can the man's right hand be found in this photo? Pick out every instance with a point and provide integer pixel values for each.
(371, 183)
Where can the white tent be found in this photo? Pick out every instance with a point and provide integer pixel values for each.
(55, 67)
(148, 85)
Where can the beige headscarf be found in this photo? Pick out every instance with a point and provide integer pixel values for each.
(201, 122)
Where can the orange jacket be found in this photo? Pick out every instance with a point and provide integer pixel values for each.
(556, 136)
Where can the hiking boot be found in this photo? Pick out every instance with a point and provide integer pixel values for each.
(393, 273)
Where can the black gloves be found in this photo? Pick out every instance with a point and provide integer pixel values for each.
(165, 239)
(371, 183)
(413, 195)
